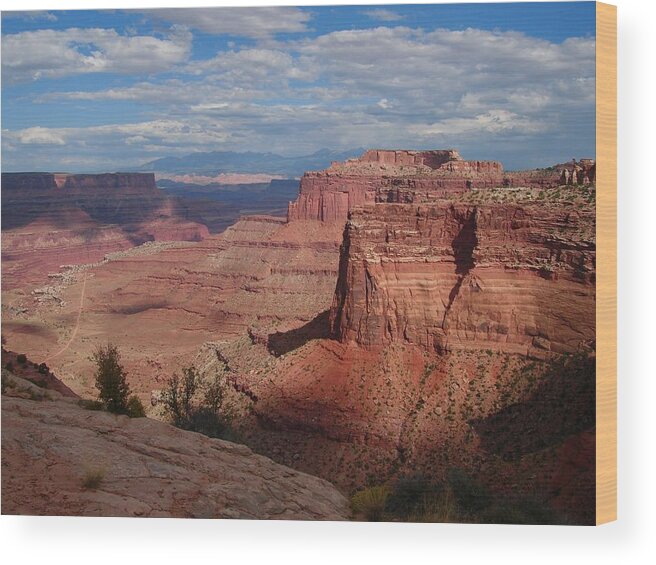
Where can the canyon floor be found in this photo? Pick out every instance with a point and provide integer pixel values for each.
(160, 302)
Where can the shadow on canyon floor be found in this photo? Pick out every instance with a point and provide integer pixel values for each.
(280, 343)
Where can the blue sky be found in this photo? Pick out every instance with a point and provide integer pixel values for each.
(105, 90)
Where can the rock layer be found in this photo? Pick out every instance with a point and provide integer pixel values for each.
(50, 220)
(111, 198)
(513, 278)
(415, 176)
(387, 176)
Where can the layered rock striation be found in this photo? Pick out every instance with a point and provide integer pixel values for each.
(387, 176)
(517, 278)
(415, 176)
(129, 200)
(111, 198)
(52, 219)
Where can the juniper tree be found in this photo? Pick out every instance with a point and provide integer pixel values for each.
(111, 381)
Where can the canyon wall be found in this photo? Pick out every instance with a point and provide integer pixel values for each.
(53, 219)
(447, 253)
(517, 278)
(112, 198)
(388, 176)
(38, 182)
(415, 176)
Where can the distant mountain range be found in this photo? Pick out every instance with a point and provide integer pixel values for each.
(218, 162)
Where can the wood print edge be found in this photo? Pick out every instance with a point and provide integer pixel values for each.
(606, 142)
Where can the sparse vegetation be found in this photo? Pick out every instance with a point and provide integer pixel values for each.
(88, 404)
(411, 495)
(197, 404)
(370, 503)
(21, 359)
(93, 478)
(471, 496)
(111, 379)
(460, 498)
(134, 408)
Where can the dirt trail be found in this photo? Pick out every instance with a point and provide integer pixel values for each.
(77, 322)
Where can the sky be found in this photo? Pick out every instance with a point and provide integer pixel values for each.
(110, 90)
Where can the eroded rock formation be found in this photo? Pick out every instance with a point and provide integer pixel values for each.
(449, 275)
(50, 220)
(517, 278)
(388, 176)
(410, 176)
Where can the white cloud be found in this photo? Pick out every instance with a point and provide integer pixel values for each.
(39, 136)
(32, 15)
(494, 121)
(475, 90)
(46, 53)
(383, 15)
(163, 133)
(258, 22)
(248, 65)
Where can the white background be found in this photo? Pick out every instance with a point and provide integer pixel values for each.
(629, 540)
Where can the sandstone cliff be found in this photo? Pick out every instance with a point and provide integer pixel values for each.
(387, 176)
(107, 198)
(129, 200)
(50, 220)
(415, 176)
(517, 278)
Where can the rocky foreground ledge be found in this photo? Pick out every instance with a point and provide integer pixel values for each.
(61, 459)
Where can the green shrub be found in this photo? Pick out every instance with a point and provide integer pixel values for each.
(111, 378)
(410, 494)
(178, 395)
(135, 409)
(197, 405)
(21, 358)
(524, 510)
(93, 478)
(471, 496)
(10, 367)
(205, 421)
(439, 507)
(370, 502)
(43, 369)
